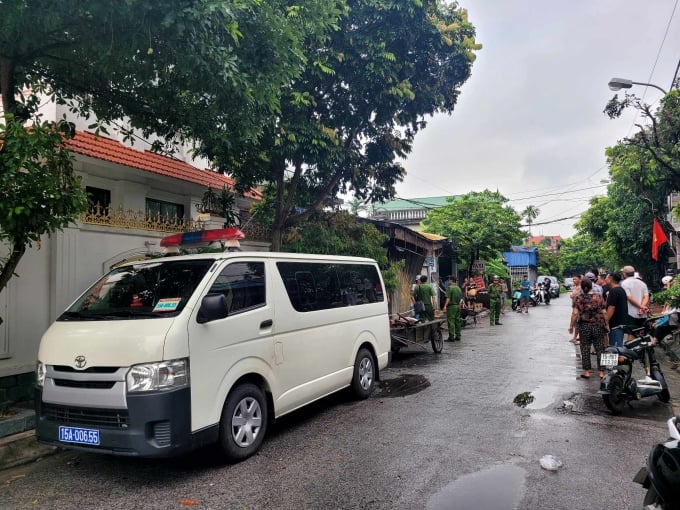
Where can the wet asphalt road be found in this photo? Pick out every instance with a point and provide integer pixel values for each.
(456, 442)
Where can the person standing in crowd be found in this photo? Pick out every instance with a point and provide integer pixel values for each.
(454, 298)
(495, 292)
(589, 309)
(597, 289)
(425, 293)
(602, 282)
(616, 309)
(504, 296)
(525, 289)
(576, 291)
(637, 294)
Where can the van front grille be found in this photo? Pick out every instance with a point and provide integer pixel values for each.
(95, 385)
(85, 416)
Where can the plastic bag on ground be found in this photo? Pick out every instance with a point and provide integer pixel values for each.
(550, 462)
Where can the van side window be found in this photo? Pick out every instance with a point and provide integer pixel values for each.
(320, 286)
(243, 286)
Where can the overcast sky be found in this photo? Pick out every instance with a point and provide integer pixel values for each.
(529, 120)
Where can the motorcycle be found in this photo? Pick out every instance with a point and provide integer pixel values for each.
(516, 296)
(661, 475)
(536, 296)
(619, 387)
(544, 290)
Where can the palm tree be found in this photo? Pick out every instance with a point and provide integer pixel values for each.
(530, 213)
(356, 206)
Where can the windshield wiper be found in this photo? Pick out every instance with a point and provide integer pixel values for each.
(132, 313)
(80, 315)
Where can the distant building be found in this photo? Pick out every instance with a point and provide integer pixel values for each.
(551, 243)
(522, 261)
(408, 212)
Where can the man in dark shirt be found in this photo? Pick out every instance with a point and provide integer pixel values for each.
(616, 311)
(602, 282)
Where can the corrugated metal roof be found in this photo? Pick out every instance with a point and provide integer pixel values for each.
(403, 204)
(521, 256)
(432, 237)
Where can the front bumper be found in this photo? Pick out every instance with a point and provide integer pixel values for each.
(153, 425)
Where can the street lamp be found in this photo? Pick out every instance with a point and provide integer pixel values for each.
(622, 83)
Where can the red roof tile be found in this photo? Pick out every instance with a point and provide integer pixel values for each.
(113, 151)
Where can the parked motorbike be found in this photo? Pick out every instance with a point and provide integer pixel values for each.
(536, 296)
(544, 291)
(515, 299)
(661, 475)
(619, 387)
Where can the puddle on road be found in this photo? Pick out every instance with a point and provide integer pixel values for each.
(499, 488)
(405, 384)
(523, 399)
(540, 398)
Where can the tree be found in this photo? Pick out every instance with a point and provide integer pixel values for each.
(655, 147)
(548, 261)
(356, 206)
(530, 213)
(480, 224)
(181, 72)
(579, 254)
(355, 110)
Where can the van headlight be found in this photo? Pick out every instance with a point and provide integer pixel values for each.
(40, 372)
(164, 375)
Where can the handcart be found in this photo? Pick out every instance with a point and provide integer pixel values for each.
(407, 332)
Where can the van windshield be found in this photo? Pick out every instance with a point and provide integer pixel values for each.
(137, 291)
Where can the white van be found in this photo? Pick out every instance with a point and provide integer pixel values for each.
(162, 356)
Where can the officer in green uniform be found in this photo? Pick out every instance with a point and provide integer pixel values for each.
(452, 305)
(495, 292)
(425, 293)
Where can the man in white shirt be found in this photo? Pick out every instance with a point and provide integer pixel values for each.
(638, 296)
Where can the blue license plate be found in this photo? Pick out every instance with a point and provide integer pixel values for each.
(78, 435)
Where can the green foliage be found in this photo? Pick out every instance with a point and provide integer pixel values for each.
(39, 191)
(222, 204)
(580, 254)
(391, 275)
(495, 267)
(354, 112)
(548, 261)
(480, 224)
(669, 296)
(337, 233)
(196, 69)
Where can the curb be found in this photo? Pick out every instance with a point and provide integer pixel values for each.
(22, 448)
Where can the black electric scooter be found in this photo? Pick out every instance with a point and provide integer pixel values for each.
(661, 475)
(619, 386)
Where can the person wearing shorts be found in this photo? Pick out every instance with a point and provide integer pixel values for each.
(525, 289)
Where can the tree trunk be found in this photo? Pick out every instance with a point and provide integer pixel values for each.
(18, 250)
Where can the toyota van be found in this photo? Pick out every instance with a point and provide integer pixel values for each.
(161, 356)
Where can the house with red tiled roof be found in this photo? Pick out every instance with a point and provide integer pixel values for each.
(551, 243)
(136, 198)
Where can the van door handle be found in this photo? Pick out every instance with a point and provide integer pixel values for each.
(266, 324)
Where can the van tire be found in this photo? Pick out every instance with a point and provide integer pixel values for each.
(243, 423)
(363, 379)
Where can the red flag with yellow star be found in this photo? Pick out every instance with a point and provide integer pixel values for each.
(658, 238)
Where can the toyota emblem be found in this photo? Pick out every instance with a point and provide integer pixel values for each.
(80, 361)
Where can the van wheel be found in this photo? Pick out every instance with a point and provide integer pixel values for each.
(363, 379)
(244, 422)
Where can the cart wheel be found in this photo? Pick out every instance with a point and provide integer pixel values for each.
(437, 338)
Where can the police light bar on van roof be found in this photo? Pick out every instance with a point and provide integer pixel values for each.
(203, 237)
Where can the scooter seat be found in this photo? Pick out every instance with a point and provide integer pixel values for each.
(624, 351)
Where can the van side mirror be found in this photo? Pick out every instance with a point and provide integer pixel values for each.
(213, 307)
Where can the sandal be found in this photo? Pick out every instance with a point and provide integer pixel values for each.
(585, 376)
(601, 374)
